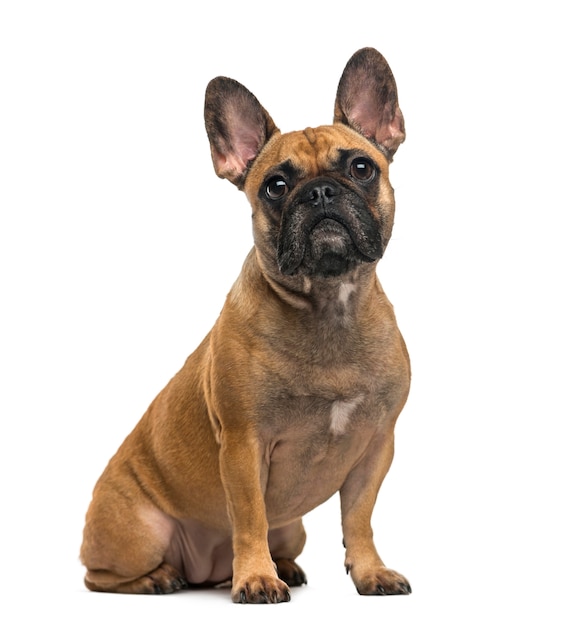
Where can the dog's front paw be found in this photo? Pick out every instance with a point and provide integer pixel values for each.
(381, 582)
(260, 590)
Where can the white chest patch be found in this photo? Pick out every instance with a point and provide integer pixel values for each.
(341, 412)
(345, 291)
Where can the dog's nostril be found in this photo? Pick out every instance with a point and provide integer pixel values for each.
(322, 193)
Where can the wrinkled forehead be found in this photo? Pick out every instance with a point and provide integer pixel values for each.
(313, 150)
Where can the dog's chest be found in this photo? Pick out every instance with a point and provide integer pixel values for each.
(315, 425)
(340, 414)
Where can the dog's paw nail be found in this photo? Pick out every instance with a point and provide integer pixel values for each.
(243, 597)
(179, 583)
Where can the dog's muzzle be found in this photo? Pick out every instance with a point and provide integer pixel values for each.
(327, 230)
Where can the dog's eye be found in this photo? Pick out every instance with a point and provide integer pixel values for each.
(276, 187)
(362, 169)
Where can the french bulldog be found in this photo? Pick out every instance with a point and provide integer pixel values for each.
(294, 394)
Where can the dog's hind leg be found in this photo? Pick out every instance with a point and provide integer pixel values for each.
(124, 546)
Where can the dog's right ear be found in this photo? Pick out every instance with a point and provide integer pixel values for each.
(237, 126)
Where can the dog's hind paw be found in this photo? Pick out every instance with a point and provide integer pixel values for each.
(164, 579)
(289, 572)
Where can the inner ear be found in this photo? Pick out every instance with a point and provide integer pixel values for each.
(367, 100)
(237, 126)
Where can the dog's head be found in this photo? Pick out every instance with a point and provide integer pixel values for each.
(321, 197)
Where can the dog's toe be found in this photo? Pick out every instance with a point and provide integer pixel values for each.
(165, 579)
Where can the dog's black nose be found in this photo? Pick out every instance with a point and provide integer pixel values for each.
(319, 193)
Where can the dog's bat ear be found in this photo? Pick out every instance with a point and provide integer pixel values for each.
(367, 101)
(237, 126)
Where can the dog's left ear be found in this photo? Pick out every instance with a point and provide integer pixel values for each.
(367, 100)
(237, 126)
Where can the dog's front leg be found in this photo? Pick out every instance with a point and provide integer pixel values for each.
(255, 578)
(358, 495)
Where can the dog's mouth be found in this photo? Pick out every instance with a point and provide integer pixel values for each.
(328, 248)
(328, 245)
(327, 231)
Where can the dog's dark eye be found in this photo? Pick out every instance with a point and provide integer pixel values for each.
(362, 169)
(276, 187)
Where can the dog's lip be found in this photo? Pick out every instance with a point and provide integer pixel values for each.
(329, 219)
(329, 223)
(329, 229)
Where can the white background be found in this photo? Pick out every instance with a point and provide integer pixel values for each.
(118, 244)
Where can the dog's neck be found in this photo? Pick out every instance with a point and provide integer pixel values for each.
(335, 297)
(317, 320)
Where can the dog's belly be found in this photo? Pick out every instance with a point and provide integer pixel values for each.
(203, 555)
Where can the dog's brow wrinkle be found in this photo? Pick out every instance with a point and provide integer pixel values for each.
(310, 135)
